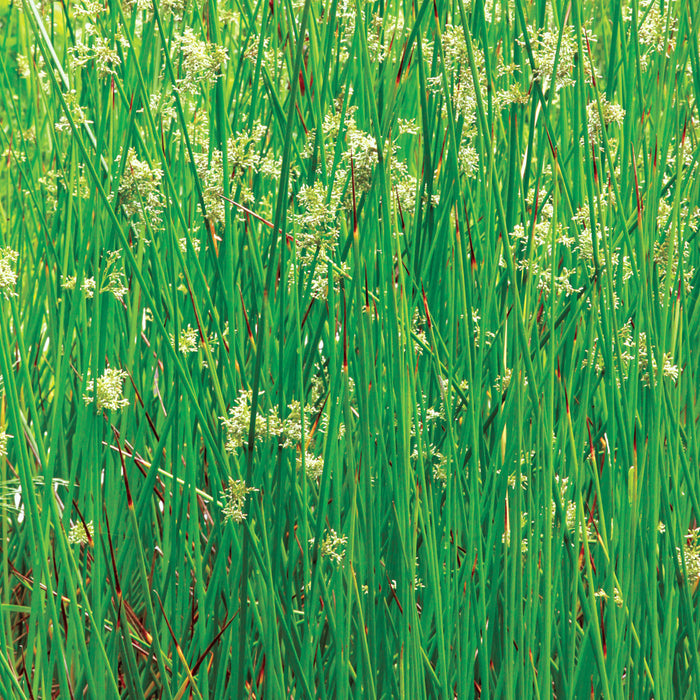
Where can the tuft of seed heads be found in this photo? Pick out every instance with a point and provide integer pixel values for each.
(108, 392)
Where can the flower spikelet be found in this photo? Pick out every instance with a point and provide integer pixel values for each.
(210, 170)
(333, 547)
(3, 443)
(691, 552)
(236, 494)
(237, 423)
(188, 340)
(292, 424)
(82, 533)
(139, 189)
(8, 277)
(114, 280)
(612, 114)
(88, 286)
(199, 61)
(548, 52)
(102, 52)
(108, 393)
(314, 465)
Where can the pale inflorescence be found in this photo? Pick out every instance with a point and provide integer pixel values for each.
(691, 554)
(314, 464)
(539, 239)
(524, 526)
(4, 437)
(617, 596)
(182, 244)
(198, 62)
(101, 51)
(81, 533)
(8, 277)
(243, 150)
(166, 8)
(670, 252)
(139, 189)
(236, 495)
(292, 423)
(237, 424)
(77, 114)
(87, 9)
(652, 24)
(316, 232)
(88, 286)
(113, 278)
(210, 171)
(188, 340)
(332, 546)
(638, 351)
(49, 183)
(108, 393)
(552, 56)
(611, 113)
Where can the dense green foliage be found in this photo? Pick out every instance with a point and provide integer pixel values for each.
(349, 349)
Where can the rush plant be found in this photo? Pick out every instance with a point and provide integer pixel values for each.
(349, 349)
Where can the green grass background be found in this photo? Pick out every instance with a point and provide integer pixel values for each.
(449, 253)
